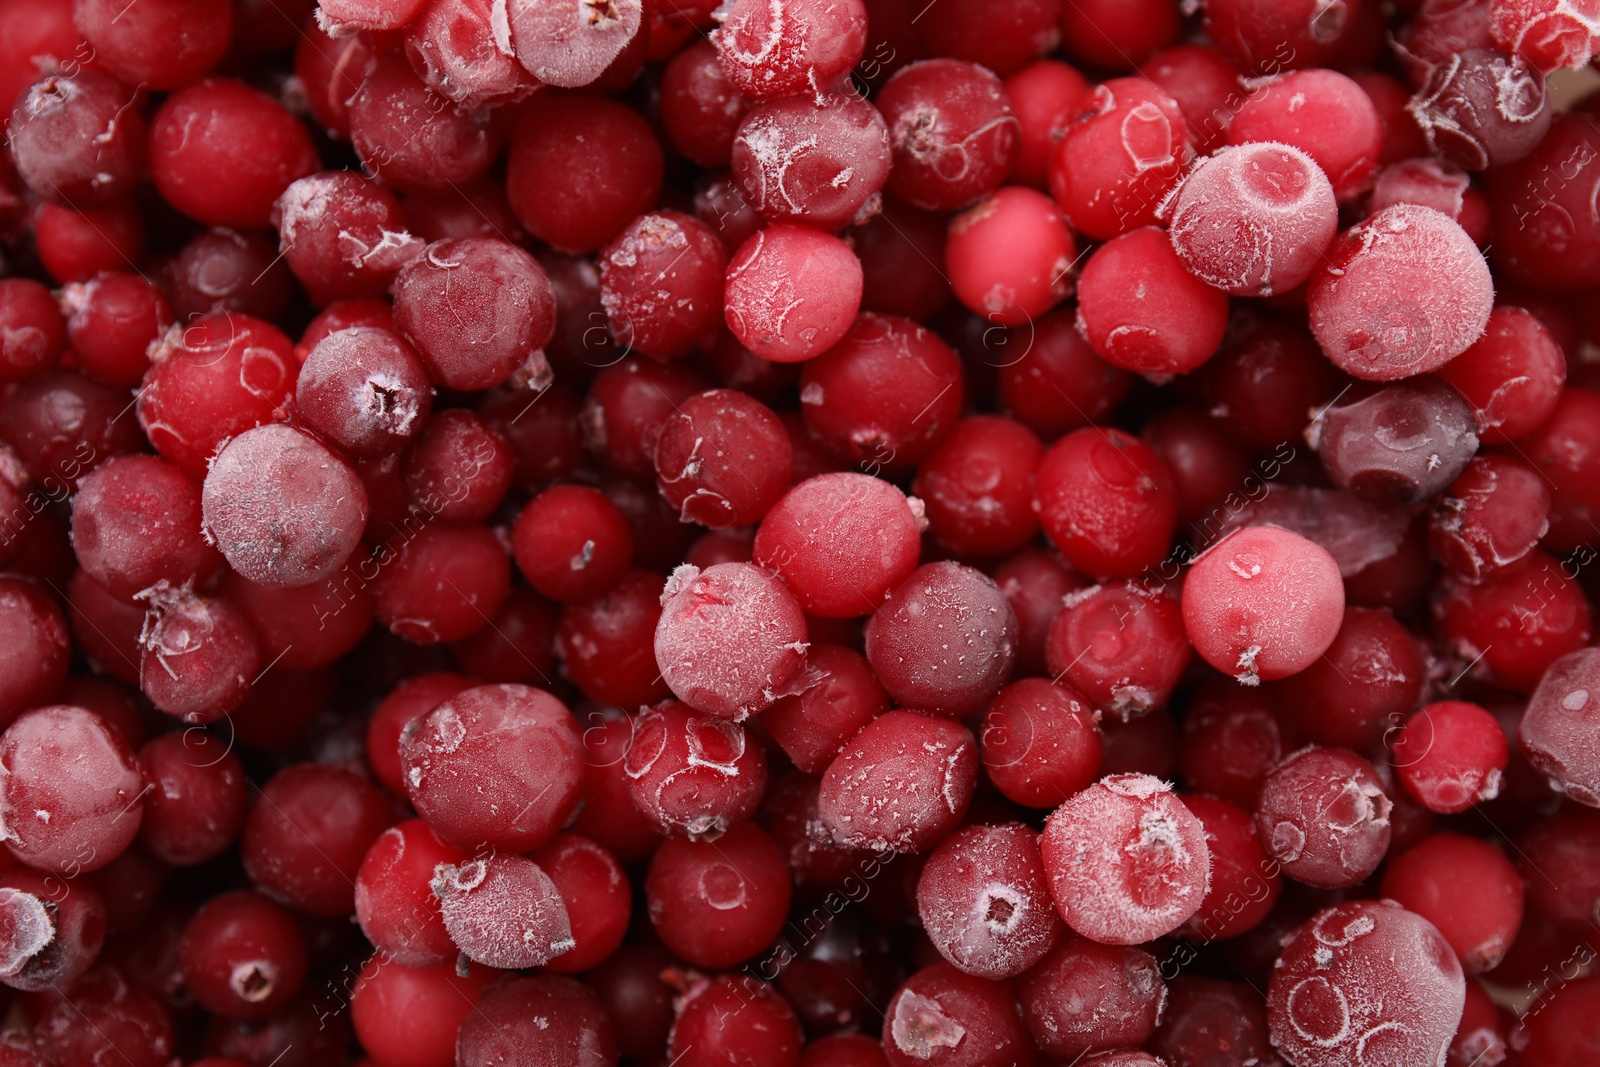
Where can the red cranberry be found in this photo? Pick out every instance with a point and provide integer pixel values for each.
(718, 903)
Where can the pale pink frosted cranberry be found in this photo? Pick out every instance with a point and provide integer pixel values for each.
(503, 910)
(820, 161)
(282, 507)
(1127, 861)
(1347, 978)
(1254, 219)
(1372, 325)
(569, 44)
(1557, 729)
(730, 638)
(985, 902)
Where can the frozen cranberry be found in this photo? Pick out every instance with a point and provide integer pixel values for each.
(1467, 889)
(222, 123)
(1512, 376)
(37, 647)
(1107, 501)
(1515, 624)
(1141, 309)
(343, 235)
(106, 628)
(476, 309)
(1490, 517)
(1150, 866)
(717, 903)
(453, 46)
(572, 543)
(1265, 381)
(1555, 728)
(1398, 444)
(1232, 738)
(1122, 646)
(34, 331)
(1205, 86)
(73, 794)
(595, 890)
(74, 246)
(792, 292)
(242, 956)
(136, 522)
(771, 50)
(1372, 673)
(538, 1018)
(729, 639)
(330, 71)
(441, 582)
(307, 832)
(1040, 742)
(112, 319)
(722, 459)
(985, 903)
(813, 726)
(730, 1020)
(1548, 35)
(196, 805)
(1539, 218)
(579, 169)
(1263, 603)
(38, 38)
(901, 253)
(211, 380)
(1432, 183)
(1086, 997)
(700, 108)
(503, 911)
(942, 1017)
(409, 1016)
(1206, 465)
(1262, 37)
(692, 774)
(162, 45)
(1325, 115)
(637, 1000)
(1244, 881)
(364, 389)
(1209, 1022)
(952, 131)
(977, 487)
(819, 161)
(1056, 382)
(517, 735)
(1046, 96)
(78, 140)
(345, 17)
(1482, 108)
(459, 468)
(1120, 159)
(607, 645)
(1035, 582)
(1566, 450)
(394, 898)
(661, 284)
(1450, 755)
(1009, 256)
(53, 930)
(1324, 817)
(944, 641)
(104, 1016)
(921, 771)
(885, 395)
(1254, 220)
(411, 137)
(1323, 1005)
(282, 508)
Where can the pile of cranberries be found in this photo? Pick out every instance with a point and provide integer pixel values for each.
(799, 533)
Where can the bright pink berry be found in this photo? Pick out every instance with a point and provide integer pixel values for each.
(1467, 889)
(771, 49)
(1040, 741)
(1107, 502)
(1325, 115)
(792, 292)
(1150, 867)
(1120, 159)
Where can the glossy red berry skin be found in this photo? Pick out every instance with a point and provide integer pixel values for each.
(1450, 755)
(307, 832)
(1467, 888)
(1106, 501)
(196, 806)
(1245, 882)
(242, 956)
(395, 904)
(718, 903)
(409, 1016)
(505, 1023)
(1109, 181)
